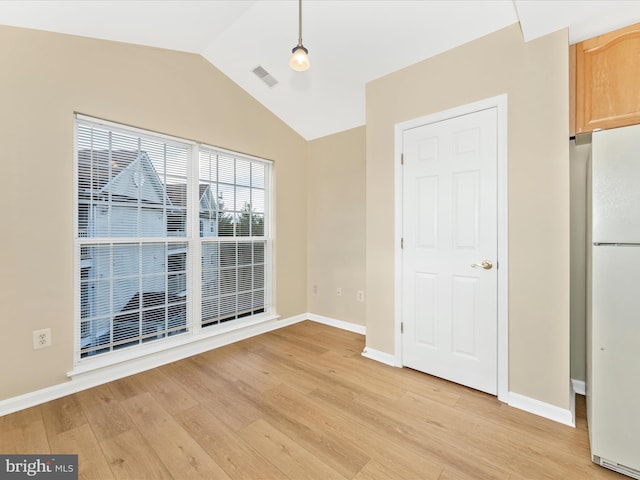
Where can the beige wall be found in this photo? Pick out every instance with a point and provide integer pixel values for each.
(535, 77)
(336, 225)
(579, 155)
(44, 79)
(321, 186)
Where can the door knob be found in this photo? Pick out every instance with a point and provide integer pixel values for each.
(486, 264)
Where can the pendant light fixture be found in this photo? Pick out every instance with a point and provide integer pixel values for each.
(299, 55)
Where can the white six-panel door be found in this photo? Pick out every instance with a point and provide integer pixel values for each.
(449, 228)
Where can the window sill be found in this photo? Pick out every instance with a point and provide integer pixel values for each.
(173, 349)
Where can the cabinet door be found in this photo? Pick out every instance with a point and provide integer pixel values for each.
(607, 85)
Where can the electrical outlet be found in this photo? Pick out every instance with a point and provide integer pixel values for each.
(339, 292)
(360, 296)
(41, 338)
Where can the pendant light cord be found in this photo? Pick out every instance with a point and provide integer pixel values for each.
(299, 60)
(299, 23)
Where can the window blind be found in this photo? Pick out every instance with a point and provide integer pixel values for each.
(131, 225)
(234, 265)
(148, 207)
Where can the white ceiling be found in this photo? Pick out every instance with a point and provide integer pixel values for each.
(350, 42)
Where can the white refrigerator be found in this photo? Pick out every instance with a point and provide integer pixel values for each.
(613, 310)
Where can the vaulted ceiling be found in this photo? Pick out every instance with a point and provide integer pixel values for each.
(350, 42)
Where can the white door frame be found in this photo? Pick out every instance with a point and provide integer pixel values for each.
(500, 103)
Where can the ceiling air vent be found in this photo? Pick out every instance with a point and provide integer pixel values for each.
(265, 76)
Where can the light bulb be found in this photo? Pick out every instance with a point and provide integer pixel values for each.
(299, 59)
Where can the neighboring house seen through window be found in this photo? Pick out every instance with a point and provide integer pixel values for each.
(164, 251)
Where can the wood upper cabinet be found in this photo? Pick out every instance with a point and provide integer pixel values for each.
(607, 80)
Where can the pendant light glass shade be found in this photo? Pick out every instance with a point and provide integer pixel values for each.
(299, 55)
(299, 59)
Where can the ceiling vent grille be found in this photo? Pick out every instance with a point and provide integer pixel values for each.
(265, 76)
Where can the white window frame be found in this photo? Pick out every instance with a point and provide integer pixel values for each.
(195, 330)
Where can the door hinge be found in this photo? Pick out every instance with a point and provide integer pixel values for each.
(401, 243)
(401, 327)
(402, 159)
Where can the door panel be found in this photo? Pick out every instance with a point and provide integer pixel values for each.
(465, 316)
(427, 211)
(449, 308)
(426, 301)
(465, 209)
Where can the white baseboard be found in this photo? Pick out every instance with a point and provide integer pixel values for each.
(546, 410)
(579, 386)
(368, 352)
(379, 356)
(88, 379)
(542, 409)
(84, 379)
(351, 327)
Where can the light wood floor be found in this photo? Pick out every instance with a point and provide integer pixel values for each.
(297, 403)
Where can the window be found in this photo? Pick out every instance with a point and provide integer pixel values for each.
(232, 199)
(171, 237)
